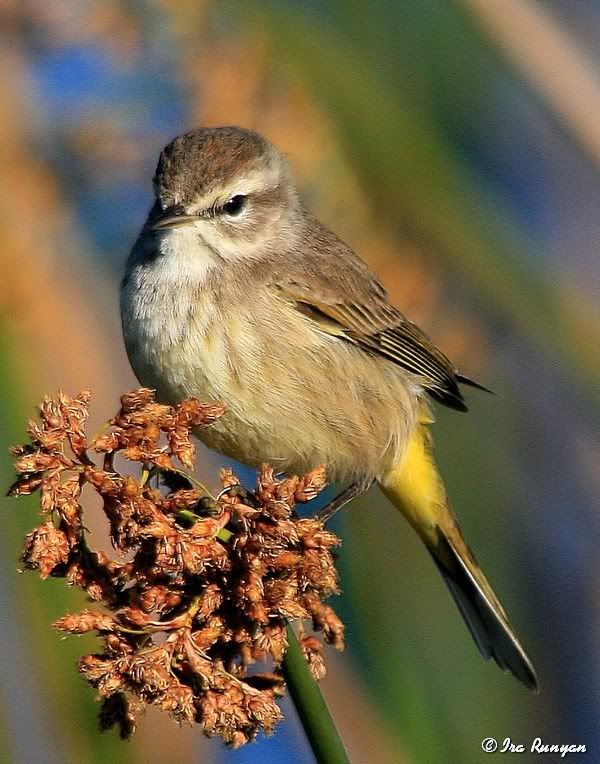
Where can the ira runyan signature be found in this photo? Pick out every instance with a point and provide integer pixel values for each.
(537, 745)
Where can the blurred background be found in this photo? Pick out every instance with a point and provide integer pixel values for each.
(456, 145)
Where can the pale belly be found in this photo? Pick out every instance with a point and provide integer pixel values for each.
(295, 398)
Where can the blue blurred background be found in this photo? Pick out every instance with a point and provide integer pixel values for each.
(456, 145)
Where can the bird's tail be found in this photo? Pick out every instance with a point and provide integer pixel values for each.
(416, 489)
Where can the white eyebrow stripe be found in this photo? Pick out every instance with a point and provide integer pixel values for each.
(255, 181)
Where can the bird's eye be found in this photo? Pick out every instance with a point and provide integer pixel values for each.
(235, 205)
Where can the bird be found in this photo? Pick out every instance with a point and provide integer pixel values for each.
(234, 292)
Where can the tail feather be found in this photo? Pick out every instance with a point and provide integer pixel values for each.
(416, 489)
(482, 612)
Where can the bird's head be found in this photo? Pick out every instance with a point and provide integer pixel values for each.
(228, 186)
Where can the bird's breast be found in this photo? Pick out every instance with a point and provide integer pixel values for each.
(295, 396)
(169, 312)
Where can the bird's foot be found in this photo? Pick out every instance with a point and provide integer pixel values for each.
(354, 490)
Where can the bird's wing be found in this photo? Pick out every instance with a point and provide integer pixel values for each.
(364, 317)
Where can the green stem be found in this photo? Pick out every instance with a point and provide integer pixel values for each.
(318, 725)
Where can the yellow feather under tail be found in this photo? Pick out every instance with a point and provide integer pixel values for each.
(416, 489)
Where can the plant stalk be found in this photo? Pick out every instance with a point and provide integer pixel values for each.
(316, 720)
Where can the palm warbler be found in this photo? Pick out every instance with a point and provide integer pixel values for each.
(235, 293)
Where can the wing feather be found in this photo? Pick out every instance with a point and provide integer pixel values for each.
(377, 327)
(336, 289)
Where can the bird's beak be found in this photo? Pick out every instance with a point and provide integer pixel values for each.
(173, 217)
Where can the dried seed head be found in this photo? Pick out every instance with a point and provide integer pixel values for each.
(208, 585)
(80, 623)
(45, 549)
(313, 652)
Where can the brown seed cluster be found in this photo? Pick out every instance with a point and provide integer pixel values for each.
(205, 586)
